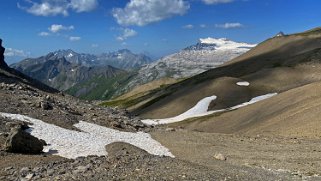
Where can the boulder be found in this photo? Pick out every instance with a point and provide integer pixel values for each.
(220, 156)
(20, 141)
(45, 105)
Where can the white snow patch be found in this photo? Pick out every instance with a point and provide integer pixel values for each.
(200, 109)
(225, 44)
(70, 55)
(253, 100)
(244, 83)
(200, 106)
(91, 141)
(119, 56)
(72, 70)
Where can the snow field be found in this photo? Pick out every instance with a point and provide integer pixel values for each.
(90, 141)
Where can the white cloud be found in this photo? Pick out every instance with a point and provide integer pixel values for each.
(11, 52)
(58, 7)
(83, 5)
(203, 25)
(74, 38)
(44, 34)
(56, 28)
(126, 34)
(216, 1)
(189, 26)
(46, 8)
(229, 25)
(143, 12)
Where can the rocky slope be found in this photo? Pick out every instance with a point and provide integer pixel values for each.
(208, 53)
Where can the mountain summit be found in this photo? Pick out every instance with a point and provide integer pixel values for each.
(225, 44)
(280, 34)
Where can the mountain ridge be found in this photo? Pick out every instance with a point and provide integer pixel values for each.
(190, 61)
(123, 58)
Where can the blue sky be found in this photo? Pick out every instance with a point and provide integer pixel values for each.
(31, 28)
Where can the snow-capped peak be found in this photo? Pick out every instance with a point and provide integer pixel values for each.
(70, 55)
(224, 43)
(210, 40)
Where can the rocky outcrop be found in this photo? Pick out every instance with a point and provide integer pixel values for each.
(2, 62)
(20, 141)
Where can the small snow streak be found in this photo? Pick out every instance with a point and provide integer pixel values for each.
(244, 83)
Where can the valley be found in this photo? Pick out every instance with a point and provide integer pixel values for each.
(160, 90)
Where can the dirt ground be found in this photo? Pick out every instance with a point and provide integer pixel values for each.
(298, 157)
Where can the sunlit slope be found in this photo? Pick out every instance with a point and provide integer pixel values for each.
(293, 113)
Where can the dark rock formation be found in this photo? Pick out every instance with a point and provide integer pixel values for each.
(2, 62)
(20, 141)
(280, 34)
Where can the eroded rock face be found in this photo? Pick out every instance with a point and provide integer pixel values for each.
(20, 141)
(2, 62)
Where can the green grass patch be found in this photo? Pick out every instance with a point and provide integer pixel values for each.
(100, 88)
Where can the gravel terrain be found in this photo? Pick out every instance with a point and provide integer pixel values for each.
(299, 157)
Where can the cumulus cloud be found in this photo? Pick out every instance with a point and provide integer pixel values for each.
(126, 34)
(74, 38)
(11, 52)
(229, 25)
(57, 7)
(216, 1)
(83, 5)
(44, 33)
(143, 12)
(56, 28)
(189, 26)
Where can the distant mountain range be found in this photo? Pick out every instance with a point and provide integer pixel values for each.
(123, 59)
(60, 73)
(102, 76)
